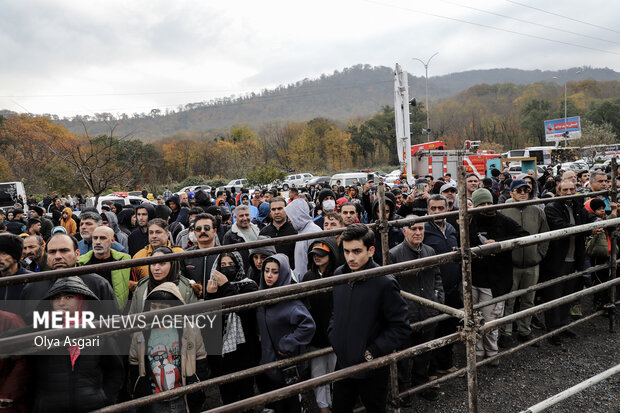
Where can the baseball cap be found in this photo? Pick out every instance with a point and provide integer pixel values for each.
(517, 183)
(320, 248)
(447, 187)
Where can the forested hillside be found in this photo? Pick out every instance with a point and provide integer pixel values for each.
(45, 155)
(353, 92)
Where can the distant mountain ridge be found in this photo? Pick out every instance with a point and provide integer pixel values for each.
(358, 91)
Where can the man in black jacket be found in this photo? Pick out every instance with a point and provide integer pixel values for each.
(491, 274)
(564, 256)
(426, 284)
(442, 237)
(199, 268)
(369, 320)
(139, 238)
(280, 227)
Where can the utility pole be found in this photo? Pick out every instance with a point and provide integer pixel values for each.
(428, 120)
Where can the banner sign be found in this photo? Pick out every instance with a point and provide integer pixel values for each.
(555, 129)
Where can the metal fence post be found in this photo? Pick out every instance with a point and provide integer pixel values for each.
(383, 226)
(470, 328)
(395, 392)
(614, 244)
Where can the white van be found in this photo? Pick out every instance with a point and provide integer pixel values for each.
(9, 195)
(348, 179)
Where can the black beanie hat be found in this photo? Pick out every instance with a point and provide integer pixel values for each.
(12, 244)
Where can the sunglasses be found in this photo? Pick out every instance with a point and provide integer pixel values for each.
(523, 190)
(206, 228)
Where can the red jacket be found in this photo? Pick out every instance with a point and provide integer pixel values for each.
(13, 370)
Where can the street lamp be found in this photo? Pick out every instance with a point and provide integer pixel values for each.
(565, 134)
(428, 121)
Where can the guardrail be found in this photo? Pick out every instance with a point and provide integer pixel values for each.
(471, 321)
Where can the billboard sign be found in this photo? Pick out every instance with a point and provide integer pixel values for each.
(554, 129)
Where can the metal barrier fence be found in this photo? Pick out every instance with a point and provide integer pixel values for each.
(468, 333)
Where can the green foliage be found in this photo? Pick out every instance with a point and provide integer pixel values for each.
(265, 174)
(60, 177)
(595, 134)
(607, 111)
(533, 117)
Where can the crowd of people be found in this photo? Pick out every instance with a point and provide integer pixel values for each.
(361, 320)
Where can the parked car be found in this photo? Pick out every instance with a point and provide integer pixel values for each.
(232, 188)
(392, 177)
(237, 182)
(195, 188)
(348, 179)
(323, 180)
(119, 197)
(296, 180)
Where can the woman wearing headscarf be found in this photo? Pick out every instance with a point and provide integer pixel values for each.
(70, 378)
(166, 357)
(285, 329)
(239, 340)
(159, 273)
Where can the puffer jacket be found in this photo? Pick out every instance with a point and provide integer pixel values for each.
(69, 223)
(298, 213)
(286, 327)
(426, 284)
(534, 221)
(139, 296)
(193, 358)
(91, 383)
(120, 277)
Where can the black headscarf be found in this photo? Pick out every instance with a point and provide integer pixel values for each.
(173, 275)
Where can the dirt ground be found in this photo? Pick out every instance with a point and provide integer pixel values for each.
(535, 374)
(530, 376)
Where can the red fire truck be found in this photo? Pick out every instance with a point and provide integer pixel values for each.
(432, 158)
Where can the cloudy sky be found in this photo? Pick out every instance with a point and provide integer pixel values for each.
(80, 57)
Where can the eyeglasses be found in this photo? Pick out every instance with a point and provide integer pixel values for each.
(523, 190)
(206, 228)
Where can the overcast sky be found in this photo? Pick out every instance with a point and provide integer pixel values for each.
(81, 57)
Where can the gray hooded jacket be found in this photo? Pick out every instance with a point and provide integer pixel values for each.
(299, 214)
(120, 236)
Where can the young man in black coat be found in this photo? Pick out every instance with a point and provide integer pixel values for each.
(369, 320)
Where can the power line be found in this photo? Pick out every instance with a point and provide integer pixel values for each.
(533, 36)
(530, 22)
(562, 16)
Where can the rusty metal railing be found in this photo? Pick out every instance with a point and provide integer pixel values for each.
(471, 323)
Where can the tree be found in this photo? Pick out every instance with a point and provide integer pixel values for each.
(99, 162)
(595, 134)
(533, 118)
(607, 111)
(265, 174)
